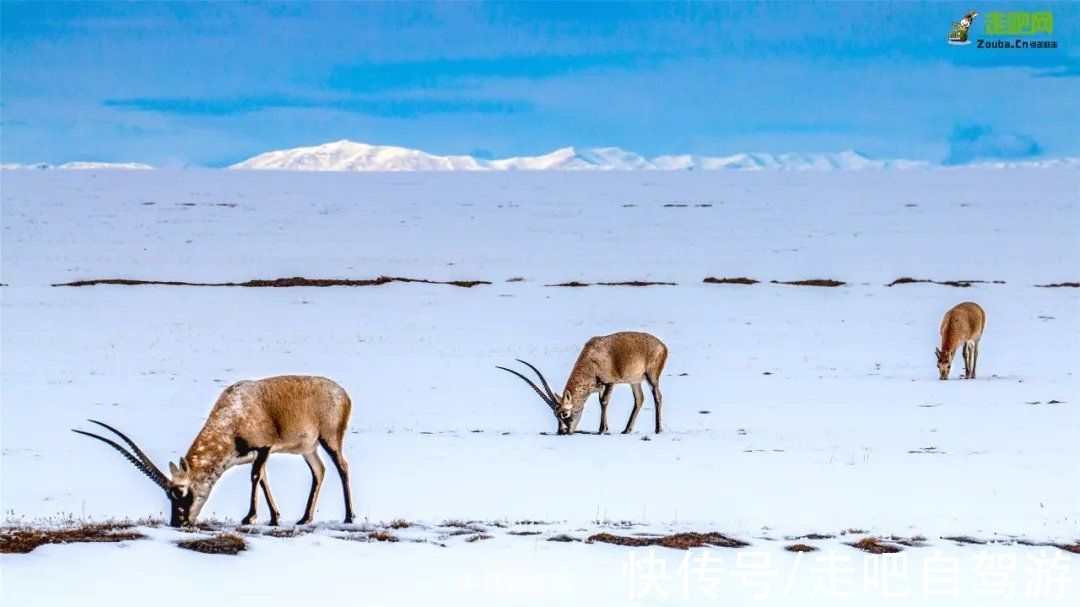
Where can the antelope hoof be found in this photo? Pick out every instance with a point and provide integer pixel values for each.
(349, 519)
(273, 521)
(248, 520)
(627, 431)
(304, 521)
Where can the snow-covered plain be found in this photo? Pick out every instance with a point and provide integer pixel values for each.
(789, 410)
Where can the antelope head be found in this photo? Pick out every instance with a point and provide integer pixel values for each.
(185, 497)
(944, 363)
(561, 406)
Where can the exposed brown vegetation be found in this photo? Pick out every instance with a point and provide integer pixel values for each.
(950, 283)
(874, 546)
(679, 541)
(523, 532)
(741, 280)
(562, 537)
(1059, 285)
(813, 536)
(399, 523)
(222, 543)
(913, 541)
(623, 283)
(799, 548)
(382, 536)
(811, 282)
(478, 537)
(20, 539)
(963, 539)
(295, 281)
(1073, 547)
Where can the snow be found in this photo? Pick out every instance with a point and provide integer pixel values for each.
(351, 156)
(81, 166)
(346, 155)
(824, 410)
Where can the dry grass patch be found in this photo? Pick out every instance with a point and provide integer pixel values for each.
(741, 280)
(222, 543)
(399, 523)
(1073, 547)
(379, 535)
(562, 537)
(680, 541)
(21, 539)
(799, 548)
(906, 280)
(523, 532)
(295, 281)
(963, 539)
(874, 546)
(811, 282)
(813, 536)
(623, 283)
(478, 537)
(1058, 285)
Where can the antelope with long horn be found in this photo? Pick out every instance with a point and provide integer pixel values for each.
(619, 358)
(251, 420)
(962, 325)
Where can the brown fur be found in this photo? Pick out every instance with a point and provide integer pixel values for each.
(252, 419)
(962, 326)
(619, 358)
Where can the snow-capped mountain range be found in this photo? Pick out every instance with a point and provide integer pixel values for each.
(81, 166)
(348, 155)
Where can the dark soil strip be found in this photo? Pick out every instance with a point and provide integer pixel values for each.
(742, 280)
(963, 539)
(874, 546)
(813, 282)
(224, 543)
(562, 537)
(20, 540)
(1058, 285)
(625, 283)
(680, 541)
(799, 548)
(1073, 548)
(949, 283)
(296, 281)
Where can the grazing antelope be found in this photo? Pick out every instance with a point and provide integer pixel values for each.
(619, 358)
(251, 420)
(961, 325)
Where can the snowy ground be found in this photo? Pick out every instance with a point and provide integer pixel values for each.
(824, 412)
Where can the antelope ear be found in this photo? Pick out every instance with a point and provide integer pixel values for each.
(173, 469)
(183, 464)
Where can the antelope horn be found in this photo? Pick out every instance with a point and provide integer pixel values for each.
(142, 462)
(550, 394)
(546, 400)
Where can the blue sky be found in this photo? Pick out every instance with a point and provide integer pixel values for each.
(182, 84)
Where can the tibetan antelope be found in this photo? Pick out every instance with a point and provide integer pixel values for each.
(251, 420)
(961, 325)
(619, 358)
